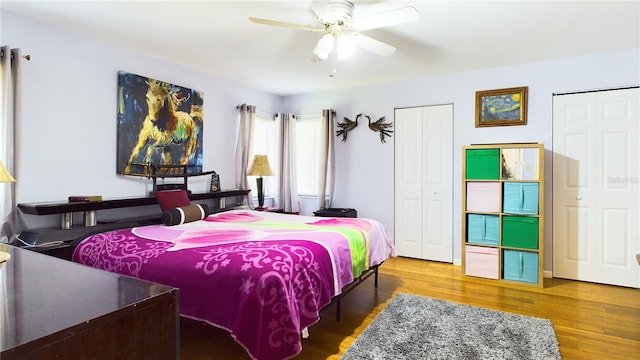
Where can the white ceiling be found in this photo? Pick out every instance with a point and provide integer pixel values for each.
(216, 37)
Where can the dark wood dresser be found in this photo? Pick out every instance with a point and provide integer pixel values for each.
(56, 309)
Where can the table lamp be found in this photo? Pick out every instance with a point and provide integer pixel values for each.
(4, 174)
(260, 167)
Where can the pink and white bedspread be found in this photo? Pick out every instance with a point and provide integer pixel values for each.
(262, 276)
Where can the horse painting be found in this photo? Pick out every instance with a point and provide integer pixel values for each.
(166, 131)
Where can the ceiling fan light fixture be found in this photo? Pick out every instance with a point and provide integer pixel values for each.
(324, 47)
(345, 47)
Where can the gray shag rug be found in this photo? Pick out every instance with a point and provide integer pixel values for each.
(414, 327)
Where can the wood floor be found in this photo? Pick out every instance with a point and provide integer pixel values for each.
(591, 321)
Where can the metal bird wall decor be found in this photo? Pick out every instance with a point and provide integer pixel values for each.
(346, 126)
(380, 126)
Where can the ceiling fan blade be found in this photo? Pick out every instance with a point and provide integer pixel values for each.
(370, 44)
(285, 24)
(323, 11)
(388, 18)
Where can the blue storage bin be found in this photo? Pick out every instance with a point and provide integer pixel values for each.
(483, 229)
(520, 198)
(520, 266)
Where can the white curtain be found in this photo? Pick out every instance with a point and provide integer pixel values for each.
(327, 159)
(288, 194)
(244, 145)
(9, 60)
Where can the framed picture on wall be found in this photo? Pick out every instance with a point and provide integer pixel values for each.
(159, 123)
(501, 107)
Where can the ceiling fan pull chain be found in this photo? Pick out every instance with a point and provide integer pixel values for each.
(334, 63)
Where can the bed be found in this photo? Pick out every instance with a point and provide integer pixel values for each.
(262, 276)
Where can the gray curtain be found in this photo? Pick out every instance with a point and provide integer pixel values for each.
(288, 194)
(9, 62)
(327, 160)
(244, 145)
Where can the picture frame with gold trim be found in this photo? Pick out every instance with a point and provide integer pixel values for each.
(501, 107)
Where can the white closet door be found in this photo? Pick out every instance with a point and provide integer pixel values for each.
(423, 182)
(596, 190)
(408, 182)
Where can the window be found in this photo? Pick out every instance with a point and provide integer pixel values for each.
(308, 148)
(266, 141)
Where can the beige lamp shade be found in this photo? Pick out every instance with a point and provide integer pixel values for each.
(260, 166)
(4, 174)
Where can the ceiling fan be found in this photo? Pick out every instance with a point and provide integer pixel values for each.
(341, 30)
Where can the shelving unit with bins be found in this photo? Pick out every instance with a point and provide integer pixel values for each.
(503, 212)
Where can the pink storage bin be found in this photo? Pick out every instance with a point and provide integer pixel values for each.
(483, 196)
(482, 262)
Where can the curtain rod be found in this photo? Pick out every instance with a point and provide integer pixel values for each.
(260, 111)
(304, 116)
(267, 113)
(275, 115)
(311, 115)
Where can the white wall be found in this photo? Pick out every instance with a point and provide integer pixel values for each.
(66, 123)
(365, 167)
(66, 127)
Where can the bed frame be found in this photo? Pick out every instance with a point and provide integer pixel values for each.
(357, 281)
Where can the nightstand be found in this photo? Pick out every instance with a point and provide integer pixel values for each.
(61, 250)
(336, 212)
(275, 210)
(53, 242)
